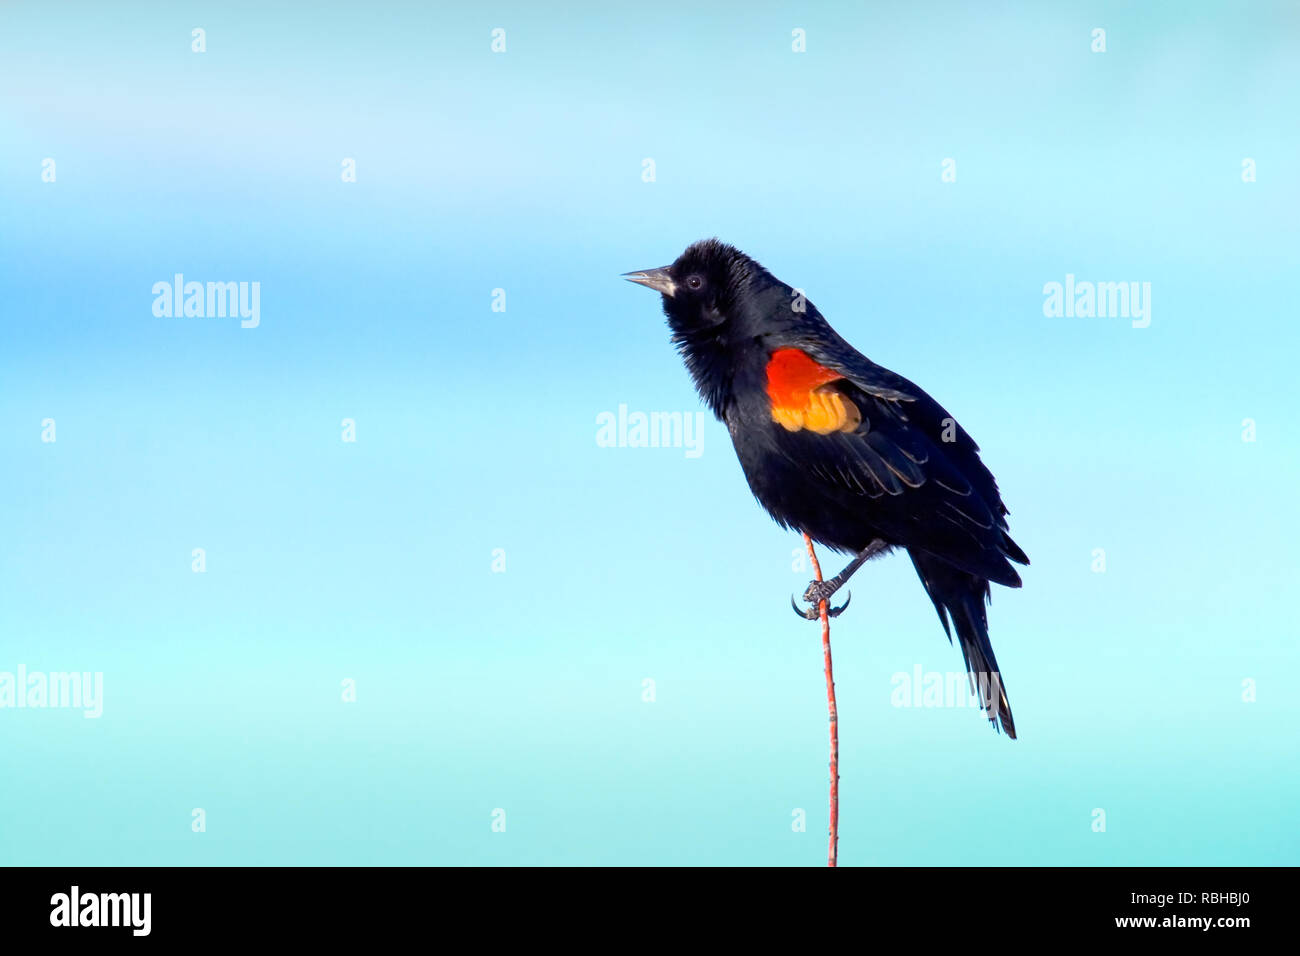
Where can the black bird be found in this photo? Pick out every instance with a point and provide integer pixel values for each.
(836, 446)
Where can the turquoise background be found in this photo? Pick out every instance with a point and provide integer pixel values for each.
(476, 430)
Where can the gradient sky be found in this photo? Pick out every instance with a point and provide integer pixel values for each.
(476, 430)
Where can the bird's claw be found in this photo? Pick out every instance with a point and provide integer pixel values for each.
(817, 591)
(813, 611)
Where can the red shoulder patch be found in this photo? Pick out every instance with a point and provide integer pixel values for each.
(791, 375)
(799, 400)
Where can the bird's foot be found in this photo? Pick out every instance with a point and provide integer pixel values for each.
(817, 592)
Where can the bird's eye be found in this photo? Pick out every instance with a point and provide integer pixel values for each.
(695, 283)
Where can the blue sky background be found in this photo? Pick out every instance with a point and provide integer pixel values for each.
(476, 430)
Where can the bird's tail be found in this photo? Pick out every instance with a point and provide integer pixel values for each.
(961, 596)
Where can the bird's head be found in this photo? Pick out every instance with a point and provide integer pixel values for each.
(704, 291)
(719, 302)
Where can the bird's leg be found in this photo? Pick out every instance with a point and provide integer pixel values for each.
(819, 591)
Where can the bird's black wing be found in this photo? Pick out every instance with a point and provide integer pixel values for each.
(919, 468)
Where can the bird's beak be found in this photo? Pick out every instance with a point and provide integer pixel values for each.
(657, 279)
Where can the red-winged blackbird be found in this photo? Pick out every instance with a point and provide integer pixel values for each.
(836, 446)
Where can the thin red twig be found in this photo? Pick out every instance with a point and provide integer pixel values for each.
(832, 854)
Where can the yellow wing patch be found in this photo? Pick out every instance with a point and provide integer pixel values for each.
(826, 411)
